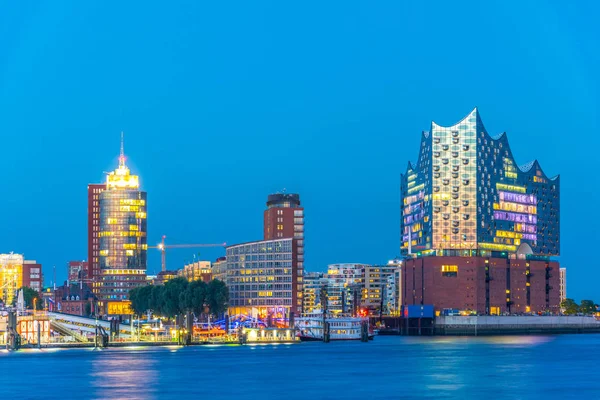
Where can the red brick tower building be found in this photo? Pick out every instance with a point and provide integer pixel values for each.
(284, 219)
(92, 267)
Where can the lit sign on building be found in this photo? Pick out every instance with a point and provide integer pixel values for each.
(119, 308)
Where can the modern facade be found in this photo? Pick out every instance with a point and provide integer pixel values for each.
(92, 272)
(491, 226)
(122, 235)
(262, 278)
(311, 293)
(466, 193)
(198, 270)
(563, 284)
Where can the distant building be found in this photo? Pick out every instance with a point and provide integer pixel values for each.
(262, 278)
(379, 281)
(15, 273)
(563, 284)
(77, 270)
(390, 295)
(219, 269)
(311, 296)
(165, 276)
(122, 234)
(11, 276)
(32, 275)
(92, 272)
(199, 270)
(74, 299)
(345, 283)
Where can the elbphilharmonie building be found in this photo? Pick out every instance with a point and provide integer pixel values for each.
(467, 193)
(478, 230)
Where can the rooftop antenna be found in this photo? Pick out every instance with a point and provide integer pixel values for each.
(122, 154)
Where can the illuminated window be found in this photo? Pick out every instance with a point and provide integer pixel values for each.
(450, 270)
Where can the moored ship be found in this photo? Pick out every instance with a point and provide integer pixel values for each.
(311, 327)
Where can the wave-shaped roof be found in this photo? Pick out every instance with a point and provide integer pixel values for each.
(525, 168)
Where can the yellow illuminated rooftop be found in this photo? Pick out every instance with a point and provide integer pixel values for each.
(121, 177)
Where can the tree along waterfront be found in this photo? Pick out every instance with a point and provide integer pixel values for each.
(178, 296)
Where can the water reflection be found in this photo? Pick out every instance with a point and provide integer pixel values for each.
(518, 341)
(120, 373)
(525, 367)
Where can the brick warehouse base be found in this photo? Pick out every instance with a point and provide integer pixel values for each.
(487, 285)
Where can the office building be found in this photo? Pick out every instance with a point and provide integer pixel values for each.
(563, 284)
(122, 236)
(219, 269)
(468, 203)
(345, 283)
(284, 218)
(262, 280)
(379, 288)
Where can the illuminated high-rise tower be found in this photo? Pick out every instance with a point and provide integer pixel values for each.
(122, 235)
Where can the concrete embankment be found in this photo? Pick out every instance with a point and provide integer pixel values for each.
(514, 325)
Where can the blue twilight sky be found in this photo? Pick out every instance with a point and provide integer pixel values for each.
(223, 103)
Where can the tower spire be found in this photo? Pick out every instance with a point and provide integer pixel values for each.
(122, 154)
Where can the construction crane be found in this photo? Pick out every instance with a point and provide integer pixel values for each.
(163, 249)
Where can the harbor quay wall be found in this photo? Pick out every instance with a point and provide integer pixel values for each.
(506, 325)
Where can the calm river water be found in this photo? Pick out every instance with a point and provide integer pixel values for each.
(525, 367)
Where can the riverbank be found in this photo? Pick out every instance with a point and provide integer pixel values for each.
(514, 325)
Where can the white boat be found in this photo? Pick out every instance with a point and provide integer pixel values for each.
(310, 327)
